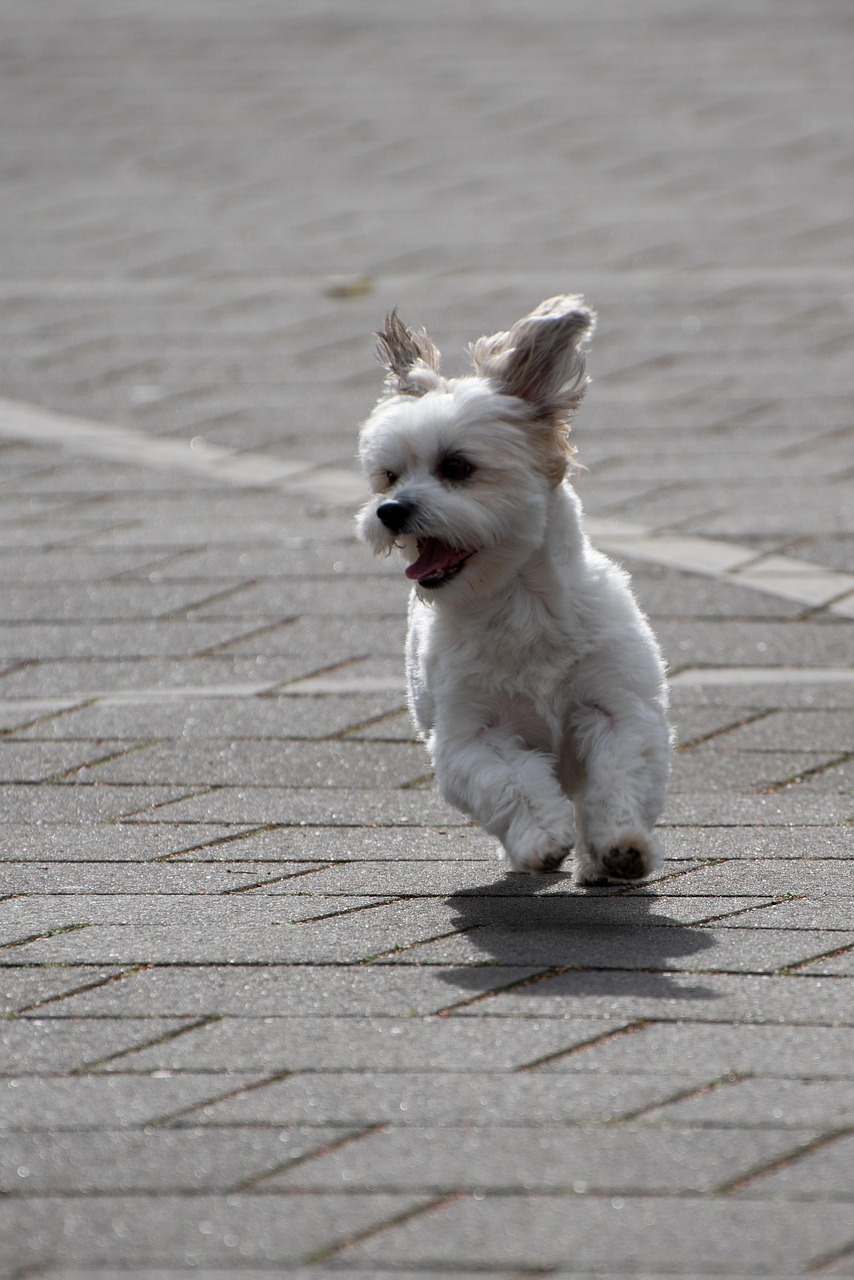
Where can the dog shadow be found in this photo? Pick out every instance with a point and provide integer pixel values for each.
(601, 942)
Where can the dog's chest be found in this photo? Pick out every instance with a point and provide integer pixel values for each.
(520, 654)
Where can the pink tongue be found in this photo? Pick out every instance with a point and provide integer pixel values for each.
(434, 558)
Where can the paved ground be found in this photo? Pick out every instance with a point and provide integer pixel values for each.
(272, 1007)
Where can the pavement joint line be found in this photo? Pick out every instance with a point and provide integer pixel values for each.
(683, 1095)
(179, 614)
(404, 948)
(81, 990)
(369, 723)
(806, 774)
(726, 729)
(129, 750)
(231, 838)
(414, 783)
(225, 645)
(244, 469)
(825, 1261)
(91, 1068)
(629, 1028)
(319, 672)
(792, 969)
(388, 1224)
(159, 804)
(336, 1144)
(48, 933)
(345, 911)
(64, 710)
(449, 1010)
(181, 1112)
(728, 915)
(734, 1185)
(262, 884)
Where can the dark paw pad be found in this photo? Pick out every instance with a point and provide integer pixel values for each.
(624, 864)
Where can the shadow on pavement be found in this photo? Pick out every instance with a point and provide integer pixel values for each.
(611, 944)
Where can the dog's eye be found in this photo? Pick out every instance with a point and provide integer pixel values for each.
(455, 467)
(391, 477)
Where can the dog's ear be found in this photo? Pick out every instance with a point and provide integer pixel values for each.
(410, 358)
(540, 359)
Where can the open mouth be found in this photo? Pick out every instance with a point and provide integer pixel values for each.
(437, 563)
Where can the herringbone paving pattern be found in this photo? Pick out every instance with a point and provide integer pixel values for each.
(271, 1006)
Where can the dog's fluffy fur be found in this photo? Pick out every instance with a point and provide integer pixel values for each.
(534, 678)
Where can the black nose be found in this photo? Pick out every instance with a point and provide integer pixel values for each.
(394, 515)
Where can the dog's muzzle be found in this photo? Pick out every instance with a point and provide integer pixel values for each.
(394, 515)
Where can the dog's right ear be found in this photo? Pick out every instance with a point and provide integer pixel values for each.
(410, 358)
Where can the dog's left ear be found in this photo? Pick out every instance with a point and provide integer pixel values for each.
(540, 359)
(410, 358)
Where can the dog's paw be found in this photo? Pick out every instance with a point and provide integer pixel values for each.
(627, 858)
(537, 847)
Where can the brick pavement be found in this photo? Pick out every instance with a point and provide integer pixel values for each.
(271, 1007)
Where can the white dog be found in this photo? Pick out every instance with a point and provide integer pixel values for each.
(534, 678)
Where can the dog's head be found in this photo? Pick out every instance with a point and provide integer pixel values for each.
(462, 469)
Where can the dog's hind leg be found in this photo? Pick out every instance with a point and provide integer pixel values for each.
(626, 760)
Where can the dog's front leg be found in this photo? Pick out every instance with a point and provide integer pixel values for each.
(511, 790)
(626, 760)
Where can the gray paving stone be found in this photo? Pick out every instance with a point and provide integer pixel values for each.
(780, 1051)
(826, 1173)
(761, 644)
(622, 1161)
(265, 764)
(833, 965)
(802, 731)
(300, 806)
(824, 1104)
(750, 843)
(225, 911)
(276, 716)
(769, 875)
(270, 991)
(125, 842)
(737, 998)
(340, 845)
(112, 1230)
(95, 877)
(697, 950)
(818, 913)
(141, 639)
(88, 1102)
(354, 937)
(155, 1161)
(792, 806)
(65, 802)
(617, 1233)
(27, 987)
(474, 1096)
(36, 1045)
(80, 680)
(392, 1044)
(724, 770)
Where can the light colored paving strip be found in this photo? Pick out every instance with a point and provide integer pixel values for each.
(763, 675)
(347, 685)
(34, 425)
(812, 585)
